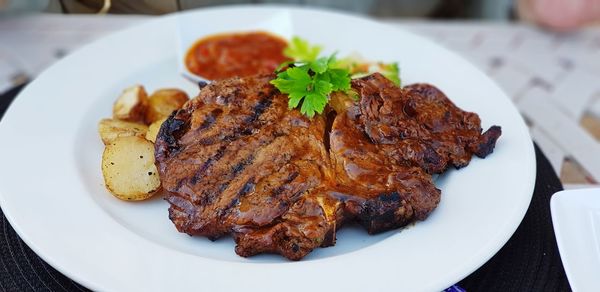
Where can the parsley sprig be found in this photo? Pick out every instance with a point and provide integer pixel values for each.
(310, 79)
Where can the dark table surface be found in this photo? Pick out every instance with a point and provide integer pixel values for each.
(528, 262)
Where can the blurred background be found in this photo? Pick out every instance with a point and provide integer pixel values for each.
(545, 54)
(500, 9)
(558, 14)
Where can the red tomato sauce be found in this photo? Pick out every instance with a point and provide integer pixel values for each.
(235, 55)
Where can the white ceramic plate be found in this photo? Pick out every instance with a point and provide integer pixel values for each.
(576, 220)
(52, 192)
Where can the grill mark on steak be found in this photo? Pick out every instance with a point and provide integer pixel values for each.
(210, 120)
(170, 131)
(246, 127)
(242, 165)
(236, 161)
(276, 193)
(258, 110)
(246, 188)
(263, 104)
(235, 170)
(206, 165)
(232, 174)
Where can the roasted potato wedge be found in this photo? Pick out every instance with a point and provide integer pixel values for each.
(129, 170)
(131, 105)
(111, 129)
(163, 102)
(153, 130)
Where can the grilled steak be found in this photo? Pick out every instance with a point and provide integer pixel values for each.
(235, 160)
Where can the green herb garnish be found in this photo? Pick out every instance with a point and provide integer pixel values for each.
(310, 79)
(301, 50)
(391, 71)
(359, 67)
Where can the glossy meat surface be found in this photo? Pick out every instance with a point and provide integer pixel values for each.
(235, 160)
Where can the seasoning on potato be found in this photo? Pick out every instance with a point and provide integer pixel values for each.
(129, 170)
(111, 129)
(163, 102)
(131, 105)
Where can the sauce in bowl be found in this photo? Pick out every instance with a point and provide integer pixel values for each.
(235, 55)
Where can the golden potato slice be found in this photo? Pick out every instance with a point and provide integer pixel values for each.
(153, 130)
(131, 105)
(163, 102)
(129, 170)
(110, 129)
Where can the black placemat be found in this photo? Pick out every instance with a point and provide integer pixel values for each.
(528, 262)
